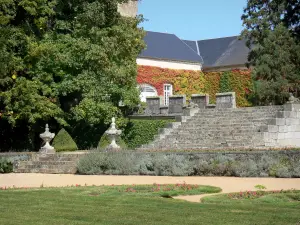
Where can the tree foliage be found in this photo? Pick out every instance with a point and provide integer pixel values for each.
(272, 31)
(67, 61)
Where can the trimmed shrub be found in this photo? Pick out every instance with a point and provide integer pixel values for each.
(140, 132)
(111, 163)
(191, 164)
(296, 171)
(105, 141)
(283, 172)
(172, 165)
(6, 165)
(64, 142)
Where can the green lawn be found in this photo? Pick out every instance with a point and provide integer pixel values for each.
(142, 205)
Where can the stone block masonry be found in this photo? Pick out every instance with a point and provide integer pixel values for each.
(225, 100)
(153, 105)
(176, 104)
(59, 163)
(202, 100)
(284, 129)
(223, 128)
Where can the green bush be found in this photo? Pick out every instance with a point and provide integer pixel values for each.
(190, 164)
(6, 166)
(64, 142)
(105, 141)
(140, 132)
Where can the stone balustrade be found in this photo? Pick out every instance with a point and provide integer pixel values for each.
(177, 103)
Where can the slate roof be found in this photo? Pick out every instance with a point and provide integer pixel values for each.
(223, 51)
(192, 45)
(227, 51)
(168, 47)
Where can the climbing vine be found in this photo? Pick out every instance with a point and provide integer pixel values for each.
(190, 82)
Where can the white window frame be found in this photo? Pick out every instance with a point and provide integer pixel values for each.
(143, 88)
(168, 91)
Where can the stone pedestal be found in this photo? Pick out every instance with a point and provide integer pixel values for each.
(225, 100)
(153, 105)
(176, 104)
(202, 100)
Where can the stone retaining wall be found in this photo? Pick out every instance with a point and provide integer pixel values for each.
(32, 162)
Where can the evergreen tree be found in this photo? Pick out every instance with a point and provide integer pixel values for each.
(272, 32)
(277, 66)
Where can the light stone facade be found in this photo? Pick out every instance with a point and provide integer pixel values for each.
(169, 64)
(129, 9)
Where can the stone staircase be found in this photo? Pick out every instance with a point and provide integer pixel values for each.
(59, 163)
(216, 128)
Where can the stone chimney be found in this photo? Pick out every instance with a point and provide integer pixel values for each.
(129, 9)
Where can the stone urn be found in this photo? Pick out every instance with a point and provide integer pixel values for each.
(113, 133)
(47, 136)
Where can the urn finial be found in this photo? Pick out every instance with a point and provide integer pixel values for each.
(113, 133)
(47, 136)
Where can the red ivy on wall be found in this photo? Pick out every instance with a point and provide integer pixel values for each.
(190, 82)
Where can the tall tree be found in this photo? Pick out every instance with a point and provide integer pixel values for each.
(67, 61)
(272, 31)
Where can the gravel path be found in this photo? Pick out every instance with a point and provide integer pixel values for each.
(228, 184)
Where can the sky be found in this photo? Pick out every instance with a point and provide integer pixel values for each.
(193, 19)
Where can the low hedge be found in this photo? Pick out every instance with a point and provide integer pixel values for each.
(250, 164)
(140, 132)
(6, 165)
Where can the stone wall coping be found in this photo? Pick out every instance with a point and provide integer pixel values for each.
(154, 117)
(177, 96)
(37, 153)
(16, 153)
(200, 95)
(225, 94)
(224, 152)
(152, 97)
(211, 105)
(292, 103)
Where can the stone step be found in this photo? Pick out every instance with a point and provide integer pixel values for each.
(57, 157)
(67, 170)
(46, 166)
(216, 126)
(54, 163)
